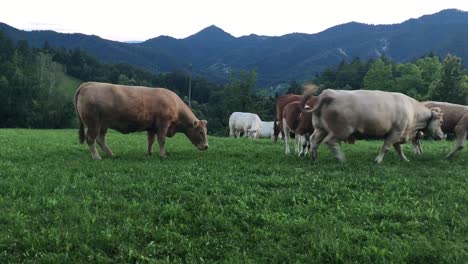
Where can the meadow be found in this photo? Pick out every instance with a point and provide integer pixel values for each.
(241, 201)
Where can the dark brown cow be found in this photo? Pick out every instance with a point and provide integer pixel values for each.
(455, 122)
(127, 109)
(282, 101)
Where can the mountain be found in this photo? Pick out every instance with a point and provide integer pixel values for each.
(214, 53)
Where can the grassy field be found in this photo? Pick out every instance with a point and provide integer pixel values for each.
(240, 201)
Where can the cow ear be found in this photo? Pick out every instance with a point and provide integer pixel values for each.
(437, 112)
(196, 123)
(203, 122)
(436, 109)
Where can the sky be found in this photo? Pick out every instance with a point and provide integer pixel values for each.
(138, 20)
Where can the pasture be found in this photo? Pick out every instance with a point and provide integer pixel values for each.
(239, 201)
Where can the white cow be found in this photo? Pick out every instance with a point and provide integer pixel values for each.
(267, 130)
(247, 123)
(395, 117)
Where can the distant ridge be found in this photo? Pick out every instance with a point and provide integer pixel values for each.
(214, 53)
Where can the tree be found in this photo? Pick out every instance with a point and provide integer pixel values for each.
(410, 81)
(451, 87)
(379, 77)
(294, 88)
(431, 72)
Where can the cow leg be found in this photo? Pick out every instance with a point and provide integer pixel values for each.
(296, 143)
(91, 136)
(246, 133)
(391, 139)
(315, 140)
(332, 143)
(301, 143)
(305, 144)
(398, 149)
(417, 148)
(420, 147)
(276, 130)
(101, 140)
(151, 139)
(162, 139)
(286, 137)
(459, 144)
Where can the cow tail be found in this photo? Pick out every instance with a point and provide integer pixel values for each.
(322, 101)
(81, 132)
(308, 91)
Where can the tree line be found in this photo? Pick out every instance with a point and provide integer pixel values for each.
(426, 78)
(34, 81)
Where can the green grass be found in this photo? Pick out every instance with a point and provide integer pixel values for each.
(239, 201)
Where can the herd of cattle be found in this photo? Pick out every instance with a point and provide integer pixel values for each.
(333, 117)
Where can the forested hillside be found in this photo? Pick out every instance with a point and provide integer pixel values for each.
(215, 54)
(38, 84)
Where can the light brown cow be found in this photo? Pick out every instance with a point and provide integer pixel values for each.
(394, 117)
(455, 122)
(127, 109)
(282, 101)
(298, 123)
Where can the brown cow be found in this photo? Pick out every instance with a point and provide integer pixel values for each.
(395, 117)
(455, 122)
(282, 101)
(298, 123)
(134, 108)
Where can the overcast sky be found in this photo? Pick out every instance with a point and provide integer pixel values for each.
(143, 19)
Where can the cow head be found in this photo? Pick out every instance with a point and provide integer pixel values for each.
(435, 123)
(197, 134)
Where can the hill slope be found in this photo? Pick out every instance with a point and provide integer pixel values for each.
(215, 53)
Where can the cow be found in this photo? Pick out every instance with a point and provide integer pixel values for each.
(282, 101)
(247, 123)
(455, 122)
(298, 123)
(128, 109)
(267, 130)
(395, 117)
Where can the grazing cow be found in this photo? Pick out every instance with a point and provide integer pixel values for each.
(455, 122)
(339, 115)
(298, 123)
(282, 101)
(247, 123)
(267, 130)
(127, 109)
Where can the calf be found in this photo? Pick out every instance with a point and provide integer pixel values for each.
(299, 123)
(282, 101)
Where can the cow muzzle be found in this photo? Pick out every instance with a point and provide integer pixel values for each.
(203, 147)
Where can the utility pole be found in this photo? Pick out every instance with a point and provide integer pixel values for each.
(190, 87)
